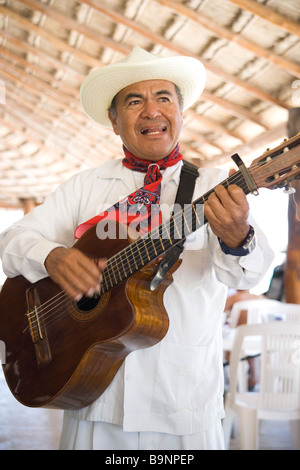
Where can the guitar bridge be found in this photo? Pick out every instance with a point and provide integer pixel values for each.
(37, 327)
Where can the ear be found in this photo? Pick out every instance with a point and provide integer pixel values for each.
(113, 123)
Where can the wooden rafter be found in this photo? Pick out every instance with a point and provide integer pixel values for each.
(157, 39)
(269, 15)
(229, 35)
(48, 47)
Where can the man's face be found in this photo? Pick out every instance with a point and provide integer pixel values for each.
(148, 118)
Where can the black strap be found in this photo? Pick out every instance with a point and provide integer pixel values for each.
(189, 174)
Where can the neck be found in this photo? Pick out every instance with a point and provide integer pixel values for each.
(172, 158)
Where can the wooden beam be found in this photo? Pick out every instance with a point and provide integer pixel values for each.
(234, 109)
(42, 56)
(225, 33)
(247, 150)
(269, 15)
(73, 25)
(292, 269)
(36, 70)
(59, 44)
(157, 39)
(62, 100)
(212, 125)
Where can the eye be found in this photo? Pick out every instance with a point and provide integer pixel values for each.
(164, 99)
(134, 102)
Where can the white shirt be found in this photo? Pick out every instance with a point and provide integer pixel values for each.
(175, 386)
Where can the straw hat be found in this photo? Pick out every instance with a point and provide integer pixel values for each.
(101, 85)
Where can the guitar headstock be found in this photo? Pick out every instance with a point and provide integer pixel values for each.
(278, 167)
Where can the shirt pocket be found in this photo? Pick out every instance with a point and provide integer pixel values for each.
(174, 377)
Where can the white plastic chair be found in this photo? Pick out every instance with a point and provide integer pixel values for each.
(278, 397)
(264, 310)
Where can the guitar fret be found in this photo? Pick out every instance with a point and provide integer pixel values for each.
(187, 225)
(161, 242)
(194, 209)
(139, 253)
(105, 280)
(153, 244)
(128, 262)
(145, 245)
(179, 226)
(169, 238)
(156, 242)
(117, 266)
(133, 257)
(179, 234)
(125, 272)
(114, 276)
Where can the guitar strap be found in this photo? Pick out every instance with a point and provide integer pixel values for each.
(189, 174)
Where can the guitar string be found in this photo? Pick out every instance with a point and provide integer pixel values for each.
(113, 265)
(118, 258)
(119, 261)
(116, 263)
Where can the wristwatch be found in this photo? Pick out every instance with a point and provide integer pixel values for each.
(247, 246)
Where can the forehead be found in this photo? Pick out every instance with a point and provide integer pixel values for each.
(154, 86)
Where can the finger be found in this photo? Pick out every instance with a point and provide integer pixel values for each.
(89, 276)
(224, 196)
(237, 195)
(214, 207)
(79, 275)
(212, 214)
(101, 263)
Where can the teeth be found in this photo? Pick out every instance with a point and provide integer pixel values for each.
(153, 132)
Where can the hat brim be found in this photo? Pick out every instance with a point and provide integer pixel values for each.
(102, 85)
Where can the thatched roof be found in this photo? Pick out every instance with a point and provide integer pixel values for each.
(250, 49)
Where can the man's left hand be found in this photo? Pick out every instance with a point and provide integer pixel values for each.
(227, 212)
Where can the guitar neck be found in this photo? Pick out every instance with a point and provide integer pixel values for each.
(182, 223)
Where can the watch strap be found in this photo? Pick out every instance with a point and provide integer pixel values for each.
(247, 246)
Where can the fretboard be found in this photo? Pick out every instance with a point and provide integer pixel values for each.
(182, 223)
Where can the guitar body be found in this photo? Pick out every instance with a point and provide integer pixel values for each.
(64, 354)
(68, 356)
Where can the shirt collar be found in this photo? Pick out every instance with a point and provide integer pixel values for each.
(120, 172)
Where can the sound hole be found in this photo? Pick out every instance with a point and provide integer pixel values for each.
(86, 304)
(88, 308)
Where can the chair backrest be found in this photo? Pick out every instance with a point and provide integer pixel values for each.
(279, 366)
(265, 310)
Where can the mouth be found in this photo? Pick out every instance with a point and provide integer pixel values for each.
(154, 130)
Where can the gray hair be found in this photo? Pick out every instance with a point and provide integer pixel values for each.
(112, 109)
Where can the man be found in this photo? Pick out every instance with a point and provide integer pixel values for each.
(168, 396)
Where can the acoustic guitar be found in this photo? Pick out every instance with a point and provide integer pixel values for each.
(64, 354)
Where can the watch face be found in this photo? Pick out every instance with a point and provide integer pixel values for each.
(250, 245)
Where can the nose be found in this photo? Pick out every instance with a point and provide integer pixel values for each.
(150, 110)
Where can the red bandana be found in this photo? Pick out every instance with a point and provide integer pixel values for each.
(140, 208)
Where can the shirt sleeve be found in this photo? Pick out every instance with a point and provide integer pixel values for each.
(26, 244)
(242, 272)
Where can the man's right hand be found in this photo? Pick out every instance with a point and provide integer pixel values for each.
(74, 272)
